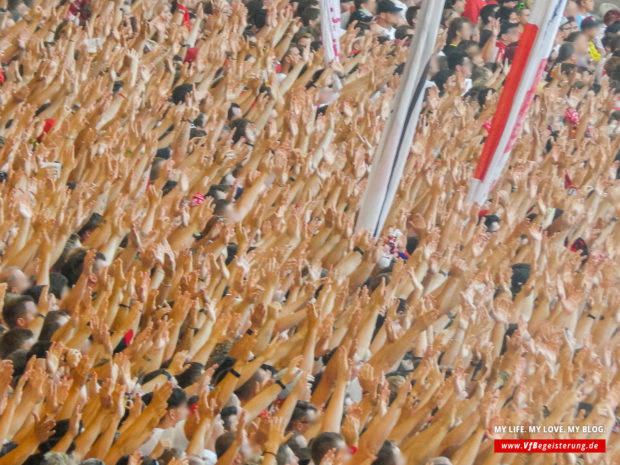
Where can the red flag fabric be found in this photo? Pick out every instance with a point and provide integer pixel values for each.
(186, 20)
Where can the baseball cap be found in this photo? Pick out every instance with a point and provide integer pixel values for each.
(361, 16)
(387, 6)
(590, 22)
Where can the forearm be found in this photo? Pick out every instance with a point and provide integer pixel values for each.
(261, 401)
(105, 440)
(333, 414)
(21, 452)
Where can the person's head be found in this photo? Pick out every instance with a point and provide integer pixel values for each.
(488, 12)
(404, 32)
(291, 57)
(285, 456)
(59, 458)
(93, 223)
(591, 26)
(439, 461)
(507, 15)
(389, 454)
(36, 459)
(177, 408)
(52, 323)
(15, 279)
(458, 30)
(181, 93)
(585, 6)
(304, 416)
(72, 267)
(325, 442)
(224, 442)
(59, 285)
(15, 339)
(508, 3)
(472, 50)
(243, 128)
(230, 418)
(411, 15)
(191, 375)
(567, 27)
(580, 41)
(253, 385)
(369, 5)
(611, 16)
(234, 112)
(310, 16)
(567, 53)
(509, 33)
(458, 6)
(389, 12)
(92, 462)
(524, 15)
(571, 9)
(459, 62)
(304, 41)
(20, 312)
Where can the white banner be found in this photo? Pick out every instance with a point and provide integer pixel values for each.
(517, 95)
(395, 144)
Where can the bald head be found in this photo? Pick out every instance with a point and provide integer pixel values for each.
(17, 282)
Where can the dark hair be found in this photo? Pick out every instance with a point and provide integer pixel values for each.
(60, 429)
(301, 412)
(503, 14)
(464, 45)
(411, 14)
(57, 283)
(247, 389)
(51, 324)
(223, 443)
(323, 443)
(36, 459)
(179, 93)
(573, 36)
(13, 340)
(441, 78)
(93, 222)
(226, 414)
(455, 26)
(387, 454)
(506, 27)
(310, 14)
(403, 32)
(567, 49)
(177, 398)
(34, 292)
(190, 375)
(231, 110)
(15, 309)
(456, 58)
(72, 267)
(20, 360)
(487, 12)
(39, 349)
(239, 127)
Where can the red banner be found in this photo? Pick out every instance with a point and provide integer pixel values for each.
(547, 446)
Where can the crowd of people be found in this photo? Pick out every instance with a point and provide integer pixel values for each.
(181, 282)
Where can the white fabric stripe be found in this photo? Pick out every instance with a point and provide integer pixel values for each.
(389, 161)
(330, 29)
(546, 15)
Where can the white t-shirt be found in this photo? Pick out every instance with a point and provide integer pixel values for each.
(175, 436)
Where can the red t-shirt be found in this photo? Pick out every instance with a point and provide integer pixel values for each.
(473, 7)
